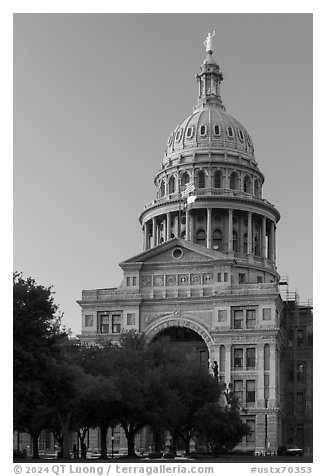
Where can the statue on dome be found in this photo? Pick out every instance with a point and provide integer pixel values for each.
(208, 42)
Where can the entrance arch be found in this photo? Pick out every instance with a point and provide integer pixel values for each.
(158, 327)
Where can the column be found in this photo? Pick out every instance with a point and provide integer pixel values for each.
(249, 233)
(263, 237)
(146, 236)
(168, 225)
(164, 230)
(227, 363)
(192, 228)
(272, 374)
(187, 224)
(154, 233)
(241, 227)
(260, 375)
(272, 244)
(209, 228)
(177, 225)
(230, 231)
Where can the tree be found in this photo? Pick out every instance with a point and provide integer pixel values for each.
(191, 389)
(98, 361)
(36, 328)
(133, 377)
(221, 426)
(188, 387)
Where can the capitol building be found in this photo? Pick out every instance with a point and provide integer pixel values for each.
(207, 275)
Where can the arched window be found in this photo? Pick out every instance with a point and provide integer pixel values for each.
(203, 131)
(172, 184)
(235, 241)
(201, 179)
(162, 188)
(266, 357)
(185, 178)
(233, 181)
(246, 184)
(217, 240)
(217, 130)
(218, 179)
(201, 237)
(256, 188)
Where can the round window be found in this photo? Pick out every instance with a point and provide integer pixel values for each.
(177, 253)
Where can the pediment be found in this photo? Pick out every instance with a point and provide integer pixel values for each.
(175, 251)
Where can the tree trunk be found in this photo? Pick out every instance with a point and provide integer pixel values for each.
(35, 437)
(158, 440)
(130, 435)
(66, 440)
(103, 430)
(187, 444)
(174, 443)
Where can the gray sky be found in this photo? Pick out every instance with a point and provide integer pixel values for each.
(95, 99)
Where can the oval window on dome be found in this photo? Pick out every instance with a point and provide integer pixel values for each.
(179, 135)
(217, 130)
(170, 139)
(203, 131)
(230, 131)
(241, 135)
(190, 132)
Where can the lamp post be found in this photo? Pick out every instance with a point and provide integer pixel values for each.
(228, 392)
(112, 444)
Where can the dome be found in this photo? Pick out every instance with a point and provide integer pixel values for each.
(210, 128)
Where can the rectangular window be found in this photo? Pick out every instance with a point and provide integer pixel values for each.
(290, 374)
(300, 337)
(290, 338)
(251, 318)
(242, 277)
(134, 281)
(238, 319)
(219, 277)
(250, 358)
(238, 358)
(89, 320)
(105, 324)
(250, 393)
(300, 373)
(267, 314)
(300, 436)
(289, 406)
(222, 315)
(238, 390)
(131, 319)
(259, 279)
(116, 323)
(299, 403)
(251, 437)
(225, 277)
(128, 281)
